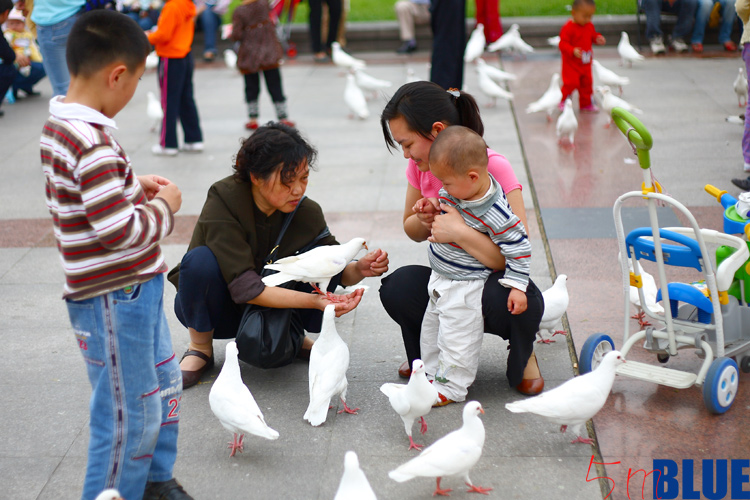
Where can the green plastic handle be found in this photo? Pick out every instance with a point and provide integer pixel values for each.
(636, 134)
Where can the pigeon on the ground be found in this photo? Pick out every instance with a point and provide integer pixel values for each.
(627, 52)
(577, 400)
(154, 110)
(567, 124)
(109, 494)
(343, 60)
(413, 400)
(554, 41)
(496, 74)
(492, 89)
(355, 99)
(453, 454)
(740, 87)
(316, 266)
(152, 60)
(230, 58)
(611, 101)
(511, 41)
(555, 304)
(550, 100)
(369, 82)
(606, 76)
(649, 292)
(354, 484)
(329, 360)
(234, 405)
(475, 45)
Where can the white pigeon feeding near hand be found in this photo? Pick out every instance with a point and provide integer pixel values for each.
(611, 101)
(556, 301)
(110, 494)
(344, 60)
(354, 484)
(740, 88)
(648, 285)
(550, 100)
(369, 82)
(554, 41)
(234, 405)
(230, 58)
(453, 454)
(606, 76)
(511, 41)
(577, 400)
(316, 266)
(154, 110)
(475, 45)
(329, 360)
(627, 52)
(152, 60)
(496, 74)
(567, 124)
(413, 400)
(492, 89)
(355, 99)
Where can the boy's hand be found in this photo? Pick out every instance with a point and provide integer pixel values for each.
(152, 184)
(577, 52)
(426, 209)
(516, 301)
(374, 263)
(446, 227)
(600, 40)
(172, 195)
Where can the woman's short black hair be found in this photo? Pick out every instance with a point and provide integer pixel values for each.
(273, 146)
(102, 37)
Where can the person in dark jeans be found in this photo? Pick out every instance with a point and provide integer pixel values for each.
(321, 52)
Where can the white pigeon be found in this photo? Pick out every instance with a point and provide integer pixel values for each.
(740, 88)
(230, 58)
(109, 494)
(567, 124)
(627, 52)
(492, 89)
(413, 400)
(369, 82)
(648, 284)
(152, 60)
(234, 405)
(344, 60)
(452, 455)
(550, 100)
(611, 101)
(154, 110)
(606, 76)
(329, 360)
(554, 41)
(475, 45)
(354, 484)
(355, 99)
(511, 41)
(496, 74)
(556, 301)
(577, 400)
(316, 266)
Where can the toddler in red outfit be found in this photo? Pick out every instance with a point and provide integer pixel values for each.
(576, 39)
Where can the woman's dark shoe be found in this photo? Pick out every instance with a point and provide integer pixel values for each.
(404, 371)
(165, 490)
(190, 378)
(532, 386)
(407, 47)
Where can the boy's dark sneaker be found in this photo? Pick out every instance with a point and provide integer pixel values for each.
(165, 490)
(407, 47)
(743, 184)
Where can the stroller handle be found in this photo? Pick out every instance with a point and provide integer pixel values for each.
(636, 133)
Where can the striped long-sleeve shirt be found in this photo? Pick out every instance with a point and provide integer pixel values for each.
(491, 215)
(106, 230)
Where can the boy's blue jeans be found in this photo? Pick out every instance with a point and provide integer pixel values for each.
(136, 388)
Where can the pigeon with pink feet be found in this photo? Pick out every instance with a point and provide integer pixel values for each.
(413, 400)
(556, 301)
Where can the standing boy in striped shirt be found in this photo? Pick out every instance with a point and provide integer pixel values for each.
(453, 326)
(108, 224)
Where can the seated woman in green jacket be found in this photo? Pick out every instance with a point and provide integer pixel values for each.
(238, 227)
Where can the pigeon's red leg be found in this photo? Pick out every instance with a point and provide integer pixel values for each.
(423, 427)
(347, 409)
(438, 491)
(413, 445)
(477, 489)
(330, 296)
(236, 445)
(583, 440)
(563, 428)
(559, 332)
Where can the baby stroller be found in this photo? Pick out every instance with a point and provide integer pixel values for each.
(283, 12)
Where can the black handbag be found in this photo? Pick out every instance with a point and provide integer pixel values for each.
(270, 337)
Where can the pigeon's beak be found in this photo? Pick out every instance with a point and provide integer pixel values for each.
(481, 410)
(365, 245)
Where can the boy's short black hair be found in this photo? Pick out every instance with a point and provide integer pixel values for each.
(5, 5)
(459, 148)
(578, 3)
(102, 37)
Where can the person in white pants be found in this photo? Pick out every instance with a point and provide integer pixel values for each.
(411, 13)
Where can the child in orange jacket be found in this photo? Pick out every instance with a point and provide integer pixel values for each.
(172, 40)
(576, 39)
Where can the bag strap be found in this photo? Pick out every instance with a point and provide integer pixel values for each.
(284, 226)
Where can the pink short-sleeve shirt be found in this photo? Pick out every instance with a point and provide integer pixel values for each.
(497, 165)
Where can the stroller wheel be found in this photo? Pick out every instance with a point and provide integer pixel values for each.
(593, 350)
(721, 384)
(662, 357)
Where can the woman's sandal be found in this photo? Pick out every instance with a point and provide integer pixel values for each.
(190, 378)
(532, 386)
